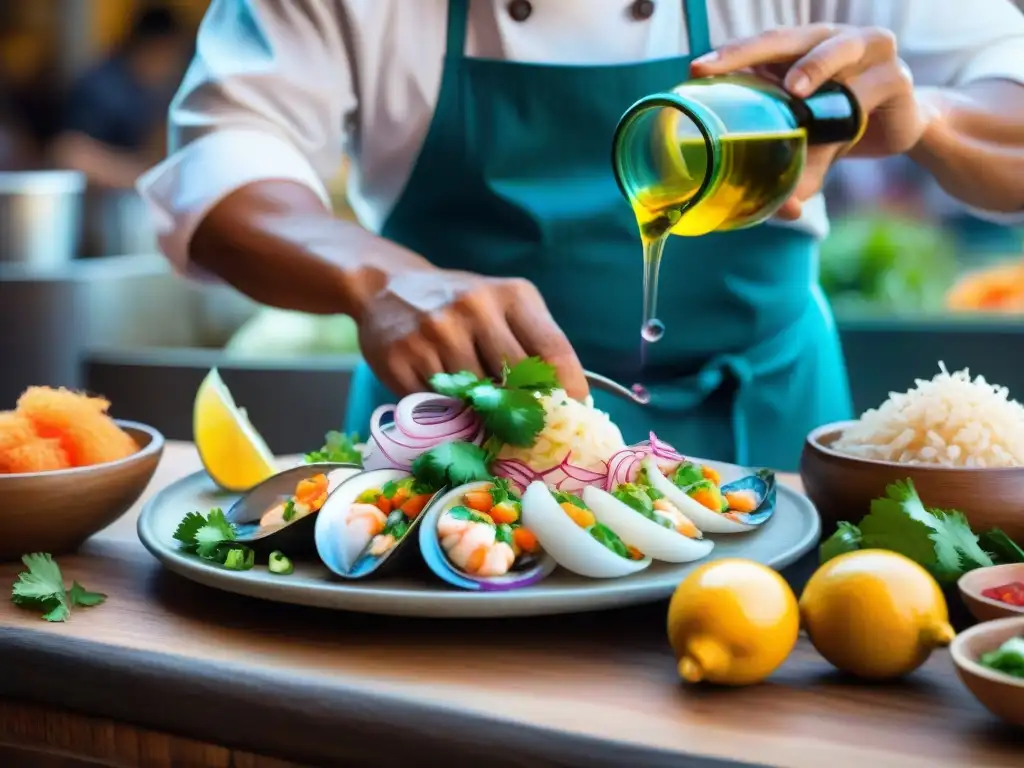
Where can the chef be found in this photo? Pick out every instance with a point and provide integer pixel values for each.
(479, 133)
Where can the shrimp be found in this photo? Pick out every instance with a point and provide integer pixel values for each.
(471, 546)
(680, 522)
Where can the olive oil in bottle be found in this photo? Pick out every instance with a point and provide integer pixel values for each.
(754, 172)
(718, 154)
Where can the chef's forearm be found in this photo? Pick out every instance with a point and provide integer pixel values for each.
(974, 143)
(276, 242)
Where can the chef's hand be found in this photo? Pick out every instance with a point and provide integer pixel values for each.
(804, 58)
(427, 321)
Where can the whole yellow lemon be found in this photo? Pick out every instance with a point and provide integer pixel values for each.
(875, 614)
(732, 622)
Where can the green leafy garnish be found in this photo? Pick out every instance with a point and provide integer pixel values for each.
(504, 534)
(510, 410)
(397, 525)
(1008, 658)
(454, 384)
(501, 491)
(469, 515)
(338, 448)
(212, 538)
(847, 538)
(686, 474)
(454, 463)
(941, 541)
(562, 497)
(634, 497)
(1002, 547)
(41, 588)
(609, 539)
(531, 374)
(389, 489)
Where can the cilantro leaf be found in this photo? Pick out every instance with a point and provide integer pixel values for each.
(80, 596)
(212, 538)
(514, 416)
(56, 610)
(41, 588)
(531, 374)
(453, 384)
(847, 538)
(453, 463)
(42, 580)
(188, 527)
(940, 541)
(1002, 547)
(338, 448)
(964, 539)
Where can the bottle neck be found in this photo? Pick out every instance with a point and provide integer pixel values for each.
(831, 115)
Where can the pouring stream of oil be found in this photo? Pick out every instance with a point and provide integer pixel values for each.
(756, 173)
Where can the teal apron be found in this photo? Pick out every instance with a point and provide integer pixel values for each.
(514, 179)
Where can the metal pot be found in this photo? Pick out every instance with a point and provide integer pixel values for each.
(40, 217)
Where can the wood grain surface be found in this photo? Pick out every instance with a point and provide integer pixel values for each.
(329, 688)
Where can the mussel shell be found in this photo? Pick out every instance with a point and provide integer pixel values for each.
(762, 482)
(331, 533)
(436, 559)
(707, 520)
(294, 536)
(572, 547)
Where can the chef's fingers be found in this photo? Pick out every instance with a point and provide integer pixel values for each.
(452, 341)
(535, 328)
(425, 363)
(883, 84)
(840, 58)
(497, 345)
(782, 44)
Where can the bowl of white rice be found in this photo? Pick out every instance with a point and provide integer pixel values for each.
(959, 438)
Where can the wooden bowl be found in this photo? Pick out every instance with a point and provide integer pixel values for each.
(842, 487)
(1001, 694)
(973, 583)
(56, 511)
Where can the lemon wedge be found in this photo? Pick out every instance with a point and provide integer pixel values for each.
(231, 449)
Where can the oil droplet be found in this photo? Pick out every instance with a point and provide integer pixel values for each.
(642, 395)
(652, 330)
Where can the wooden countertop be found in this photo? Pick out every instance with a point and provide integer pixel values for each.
(328, 688)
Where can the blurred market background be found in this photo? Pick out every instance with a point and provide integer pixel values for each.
(86, 301)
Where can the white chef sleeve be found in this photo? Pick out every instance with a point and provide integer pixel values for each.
(267, 96)
(951, 43)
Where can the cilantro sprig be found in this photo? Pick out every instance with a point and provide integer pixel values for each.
(338, 448)
(453, 463)
(41, 588)
(510, 410)
(212, 537)
(940, 540)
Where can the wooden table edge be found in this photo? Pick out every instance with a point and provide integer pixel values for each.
(238, 707)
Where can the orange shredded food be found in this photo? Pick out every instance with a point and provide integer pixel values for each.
(55, 429)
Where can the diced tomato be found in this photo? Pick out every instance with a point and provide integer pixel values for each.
(1012, 593)
(525, 539)
(415, 505)
(504, 513)
(479, 500)
(383, 503)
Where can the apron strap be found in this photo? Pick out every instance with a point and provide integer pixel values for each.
(458, 14)
(697, 30)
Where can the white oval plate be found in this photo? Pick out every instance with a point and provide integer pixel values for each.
(789, 534)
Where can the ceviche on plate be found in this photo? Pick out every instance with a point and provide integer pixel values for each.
(492, 485)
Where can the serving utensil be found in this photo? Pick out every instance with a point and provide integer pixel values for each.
(603, 383)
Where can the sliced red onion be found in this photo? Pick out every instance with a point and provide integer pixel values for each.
(624, 466)
(516, 472)
(419, 423)
(570, 478)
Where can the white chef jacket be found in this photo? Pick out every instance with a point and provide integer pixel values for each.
(280, 89)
